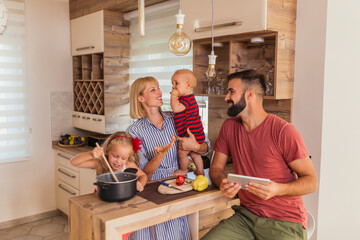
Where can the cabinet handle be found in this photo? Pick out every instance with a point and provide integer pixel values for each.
(66, 173)
(97, 119)
(63, 156)
(63, 188)
(83, 117)
(229, 24)
(78, 116)
(84, 48)
(87, 118)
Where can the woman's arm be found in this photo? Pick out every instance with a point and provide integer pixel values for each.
(154, 163)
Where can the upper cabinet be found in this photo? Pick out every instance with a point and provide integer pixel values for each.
(100, 48)
(271, 20)
(87, 34)
(230, 17)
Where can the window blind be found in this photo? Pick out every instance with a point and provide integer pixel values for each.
(150, 55)
(14, 129)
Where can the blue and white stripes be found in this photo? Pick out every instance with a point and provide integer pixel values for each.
(151, 136)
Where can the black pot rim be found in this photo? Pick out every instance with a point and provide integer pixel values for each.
(120, 182)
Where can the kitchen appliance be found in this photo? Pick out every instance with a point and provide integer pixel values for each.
(111, 191)
(93, 139)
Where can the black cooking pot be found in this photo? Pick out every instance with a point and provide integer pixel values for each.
(111, 191)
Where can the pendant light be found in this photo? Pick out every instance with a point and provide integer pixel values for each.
(4, 17)
(210, 72)
(179, 42)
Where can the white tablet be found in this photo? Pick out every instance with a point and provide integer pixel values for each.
(243, 180)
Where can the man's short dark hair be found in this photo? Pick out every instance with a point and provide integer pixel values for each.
(250, 78)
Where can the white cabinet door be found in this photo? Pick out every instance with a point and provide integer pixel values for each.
(87, 34)
(230, 17)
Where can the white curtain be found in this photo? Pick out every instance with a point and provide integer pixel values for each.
(14, 129)
(150, 55)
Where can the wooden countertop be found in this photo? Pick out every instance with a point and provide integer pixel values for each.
(91, 218)
(71, 150)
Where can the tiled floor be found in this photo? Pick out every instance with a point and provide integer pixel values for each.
(54, 228)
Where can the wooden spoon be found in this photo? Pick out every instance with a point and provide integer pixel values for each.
(107, 163)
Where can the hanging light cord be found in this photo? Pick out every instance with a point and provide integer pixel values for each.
(212, 26)
(180, 5)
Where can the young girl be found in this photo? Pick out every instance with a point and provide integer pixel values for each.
(120, 150)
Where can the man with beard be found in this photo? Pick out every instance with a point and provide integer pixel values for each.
(261, 145)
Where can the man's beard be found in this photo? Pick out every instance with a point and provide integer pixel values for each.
(237, 108)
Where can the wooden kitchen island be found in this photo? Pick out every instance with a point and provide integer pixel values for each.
(91, 218)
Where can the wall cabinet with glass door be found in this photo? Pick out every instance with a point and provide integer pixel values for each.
(100, 71)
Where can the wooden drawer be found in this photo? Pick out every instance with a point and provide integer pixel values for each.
(64, 159)
(68, 176)
(63, 193)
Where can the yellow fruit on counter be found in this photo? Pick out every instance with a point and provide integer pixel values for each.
(83, 139)
(71, 142)
(201, 183)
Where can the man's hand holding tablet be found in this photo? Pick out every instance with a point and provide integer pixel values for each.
(243, 180)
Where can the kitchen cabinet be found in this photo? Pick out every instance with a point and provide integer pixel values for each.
(87, 34)
(100, 49)
(238, 16)
(238, 53)
(230, 17)
(71, 181)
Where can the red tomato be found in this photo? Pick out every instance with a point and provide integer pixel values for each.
(180, 180)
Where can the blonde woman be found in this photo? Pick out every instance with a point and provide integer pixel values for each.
(158, 156)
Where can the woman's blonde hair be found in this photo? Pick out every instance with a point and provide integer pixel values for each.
(136, 90)
(115, 139)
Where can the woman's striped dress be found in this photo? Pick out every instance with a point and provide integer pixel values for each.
(151, 136)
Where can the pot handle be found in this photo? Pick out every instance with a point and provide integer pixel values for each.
(102, 185)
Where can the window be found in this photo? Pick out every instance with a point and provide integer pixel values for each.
(14, 130)
(150, 55)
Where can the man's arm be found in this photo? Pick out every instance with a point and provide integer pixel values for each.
(307, 182)
(218, 177)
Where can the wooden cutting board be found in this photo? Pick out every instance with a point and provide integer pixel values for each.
(167, 190)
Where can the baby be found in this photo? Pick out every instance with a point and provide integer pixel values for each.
(186, 109)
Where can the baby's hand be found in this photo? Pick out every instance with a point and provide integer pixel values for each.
(174, 92)
(139, 186)
(97, 152)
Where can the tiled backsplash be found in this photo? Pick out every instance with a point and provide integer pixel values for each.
(61, 104)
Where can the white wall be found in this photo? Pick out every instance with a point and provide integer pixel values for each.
(27, 188)
(327, 112)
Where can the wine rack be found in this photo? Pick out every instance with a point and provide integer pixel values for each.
(88, 87)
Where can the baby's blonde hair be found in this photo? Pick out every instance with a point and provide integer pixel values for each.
(117, 138)
(189, 75)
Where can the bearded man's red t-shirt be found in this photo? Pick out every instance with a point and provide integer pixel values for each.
(265, 152)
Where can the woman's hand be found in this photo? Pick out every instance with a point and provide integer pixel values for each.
(164, 149)
(229, 189)
(97, 152)
(139, 186)
(188, 143)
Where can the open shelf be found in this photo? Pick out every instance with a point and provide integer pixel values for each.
(235, 53)
(88, 76)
